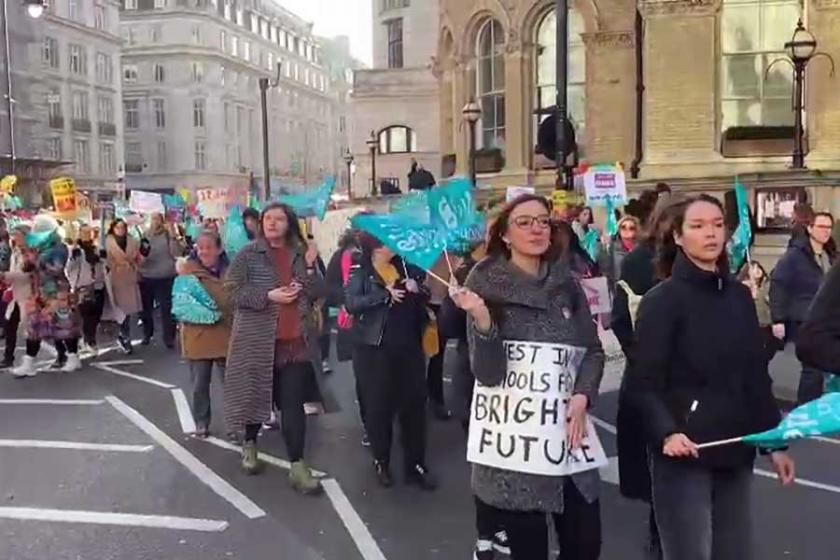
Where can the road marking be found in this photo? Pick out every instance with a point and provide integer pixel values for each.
(603, 425)
(201, 471)
(120, 363)
(270, 459)
(826, 440)
(81, 402)
(115, 371)
(47, 444)
(359, 532)
(108, 518)
(184, 413)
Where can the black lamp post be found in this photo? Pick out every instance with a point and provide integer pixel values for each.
(266, 83)
(561, 9)
(472, 112)
(372, 142)
(348, 159)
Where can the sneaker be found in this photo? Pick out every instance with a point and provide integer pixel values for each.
(202, 431)
(501, 543)
(325, 367)
(419, 476)
(383, 474)
(313, 408)
(125, 345)
(26, 368)
(483, 550)
(272, 424)
(72, 364)
(365, 440)
(250, 461)
(301, 479)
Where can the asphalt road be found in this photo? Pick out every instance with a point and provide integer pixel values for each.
(178, 497)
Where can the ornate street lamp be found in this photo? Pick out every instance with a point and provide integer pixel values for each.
(35, 8)
(265, 83)
(348, 159)
(472, 112)
(372, 142)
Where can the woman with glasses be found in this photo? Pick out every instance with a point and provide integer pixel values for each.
(519, 293)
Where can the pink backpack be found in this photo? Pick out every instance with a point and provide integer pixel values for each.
(345, 320)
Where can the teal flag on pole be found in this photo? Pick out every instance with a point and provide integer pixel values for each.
(414, 205)
(420, 244)
(612, 223)
(816, 418)
(452, 211)
(739, 244)
(313, 203)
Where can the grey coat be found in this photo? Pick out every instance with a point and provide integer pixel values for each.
(250, 358)
(548, 308)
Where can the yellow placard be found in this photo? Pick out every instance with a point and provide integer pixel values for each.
(7, 183)
(64, 196)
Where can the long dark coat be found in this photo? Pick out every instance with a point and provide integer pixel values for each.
(250, 359)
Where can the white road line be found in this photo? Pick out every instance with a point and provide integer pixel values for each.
(603, 425)
(201, 471)
(120, 363)
(184, 412)
(359, 532)
(108, 518)
(270, 459)
(47, 444)
(116, 371)
(81, 402)
(827, 440)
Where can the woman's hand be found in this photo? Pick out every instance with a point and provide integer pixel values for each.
(784, 466)
(576, 420)
(397, 295)
(678, 445)
(411, 285)
(311, 255)
(779, 331)
(284, 295)
(473, 304)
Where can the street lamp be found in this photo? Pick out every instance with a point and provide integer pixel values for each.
(266, 83)
(348, 159)
(372, 142)
(472, 112)
(35, 8)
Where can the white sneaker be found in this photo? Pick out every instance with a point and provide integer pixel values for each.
(26, 368)
(73, 363)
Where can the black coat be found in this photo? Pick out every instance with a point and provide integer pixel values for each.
(698, 341)
(818, 345)
(794, 282)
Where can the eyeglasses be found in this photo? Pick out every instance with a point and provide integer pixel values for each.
(628, 228)
(524, 222)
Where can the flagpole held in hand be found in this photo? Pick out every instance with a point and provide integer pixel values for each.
(720, 442)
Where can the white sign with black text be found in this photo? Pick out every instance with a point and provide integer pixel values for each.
(520, 425)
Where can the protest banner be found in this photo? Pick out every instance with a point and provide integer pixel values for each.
(520, 425)
(64, 196)
(514, 192)
(597, 294)
(602, 181)
(7, 184)
(144, 202)
(216, 202)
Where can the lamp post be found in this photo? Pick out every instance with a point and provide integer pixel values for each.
(348, 159)
(472, 112)
(561, 9)
(372, 142)
(266, 83)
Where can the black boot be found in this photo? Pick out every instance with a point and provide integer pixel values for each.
(419, 476)
(383, 474)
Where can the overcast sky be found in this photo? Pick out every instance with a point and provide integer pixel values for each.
(339, 17)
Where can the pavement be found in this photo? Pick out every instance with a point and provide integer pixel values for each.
(96, 465)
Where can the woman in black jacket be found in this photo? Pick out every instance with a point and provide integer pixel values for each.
(699, 376)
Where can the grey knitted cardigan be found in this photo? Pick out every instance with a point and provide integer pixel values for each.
(550, 307)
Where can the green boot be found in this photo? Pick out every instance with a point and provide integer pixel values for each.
(250, 462)
(301, 479)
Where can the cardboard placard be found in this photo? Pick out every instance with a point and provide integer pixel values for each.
(597, 294)
(64, 196)
(602, 181)
(145, 202)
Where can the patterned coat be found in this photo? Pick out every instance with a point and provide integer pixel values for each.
(250, 359)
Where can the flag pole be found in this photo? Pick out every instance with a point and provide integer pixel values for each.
(720, 442)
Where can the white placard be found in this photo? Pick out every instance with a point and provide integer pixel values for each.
(604, 181)
(520, 425)
(513, 192)
(597, 294)
(144, 202)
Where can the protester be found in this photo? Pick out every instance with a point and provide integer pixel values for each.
(159, 248)
(19, 278)
(273, 282)
(620, 245)
(758, 281)
(519, 293)
(86, 274)
(5, 247)
(434, 371)
(565, 245)
(700, 376)
(583, 222)
(205, 346)
(419, 178)
(387, 300)
(251, 219)
(818, 346)
(123, 257)
(794, 283)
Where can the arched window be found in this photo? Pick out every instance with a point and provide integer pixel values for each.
(546, 91)
(490, 83)
(397, 140)
(752, 35)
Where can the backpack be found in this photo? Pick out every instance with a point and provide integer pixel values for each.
(633, 301)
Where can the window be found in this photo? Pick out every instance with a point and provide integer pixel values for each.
(74, 10)
(130, 73)
(222, 75)
(159, 109)
(196, 35)
(234, 45)
(397, 140)
(128, 34)
(134, 156)
(269, 63)
(752, 35)
(199, 106)
(54, 148)
(394, 30)
(240, 16)
(78, 59)
(80, 106)
(264, 29)
(104, 68)
(161, 156)
(490, 83)
(132, 113)
(273, 32)
(227, 116)
(160, 4)
(246, 50)
(342, 123)
(197, 72)
(155, 33)
(49, 52)
(160, 74)
(105, 109)
(130, 4)
(240, 119)
(107, 164)
(393, 4)
(81, 153)
(237, 162)
(297, 72)
(306, 76)
(200, 155)
(546, 92)
(223, 40)
(100, 17)
(255, 22)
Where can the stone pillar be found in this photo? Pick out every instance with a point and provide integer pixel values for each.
(823, 103)
(517, 139)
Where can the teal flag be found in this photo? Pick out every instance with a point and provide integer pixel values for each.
(234, 236)
(192, 304)
(612, 223)
(739, 245)
(254, 202)
(193, 228)
(452, 211)
(174, 201)
(590, 243)
(313, 203)
(816, 418)
(414, 205)
(419, 244)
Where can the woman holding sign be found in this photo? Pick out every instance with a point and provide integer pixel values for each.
(700, 375)
(538, 363)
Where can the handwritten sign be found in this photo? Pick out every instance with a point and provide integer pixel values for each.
(144, 202)
(64, 195)
(217, 202)
(602, 181)
(7, 183)
(520, 425)
(597, 294)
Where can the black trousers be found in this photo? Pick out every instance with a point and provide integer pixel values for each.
(393, 385)
(578, 529)
(91, 312)
(11, 333)
(158, 290)
(434, 371)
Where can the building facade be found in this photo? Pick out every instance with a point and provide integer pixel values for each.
(397, 100)
(191, 104)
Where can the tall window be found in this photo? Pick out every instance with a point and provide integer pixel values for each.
(132, 113)
(81, 153)
(197, 72)
(100, 16)
(196, 35)
(49, 52)
(753, 34)
(130, 73)
(155, 33)
(78, 59)
(227, 117)
(394, 28)
(130, 4)
(104, 68)
(54, 148)
(74, 10)
(160, 73)
(134, 156)
(54, 105)
(199, 106)
(490, 83)
(200, 154)
(105, 109)
(234, 45)
(161, 156)
(107, 164)
(160, 4)
(246, 50)
(546, 90)
(159, 108)
(397, 140)
(223, 40)
(80, 106)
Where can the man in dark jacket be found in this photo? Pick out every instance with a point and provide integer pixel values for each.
(794, 283)
(819, 337)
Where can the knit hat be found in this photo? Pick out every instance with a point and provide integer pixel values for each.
(44, 223)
